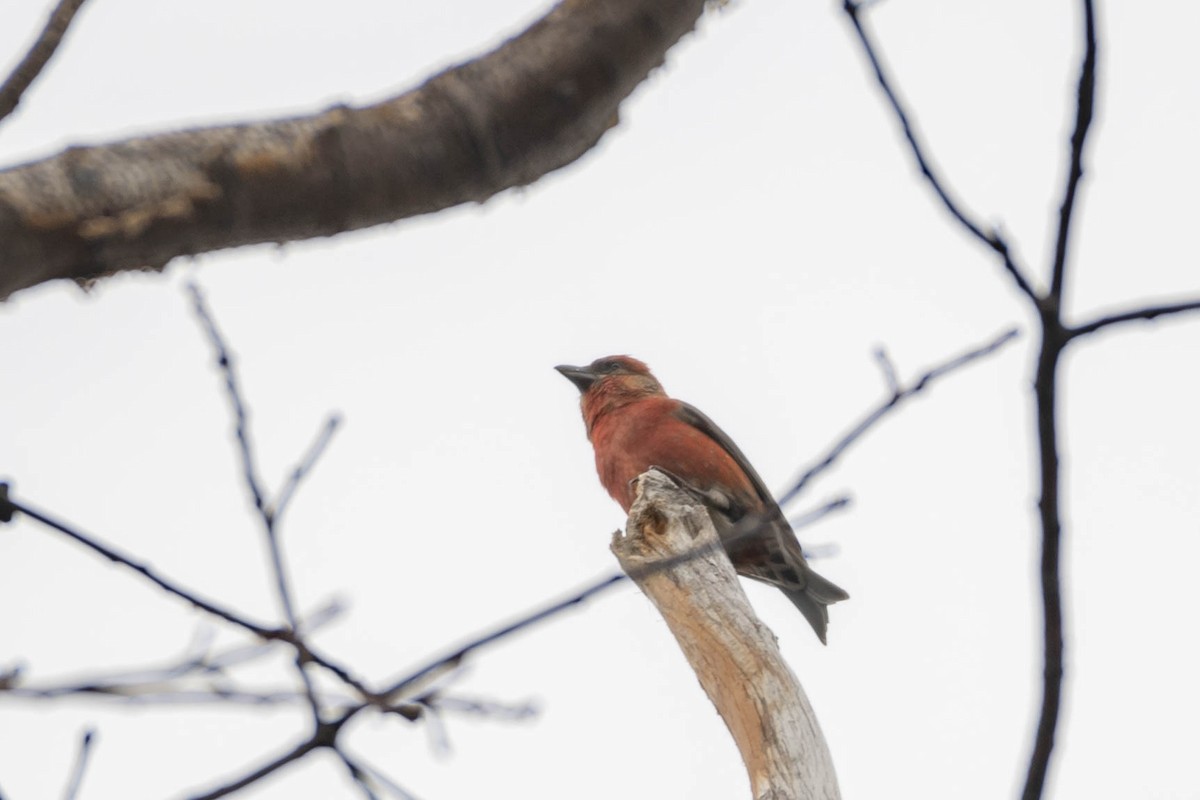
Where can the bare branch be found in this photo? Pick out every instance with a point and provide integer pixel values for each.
(888, 368)
(1084, 109)
(993, 240)
(39, 55)
(899, 395)
(819, 513)
(254, 485)
(305, 651)
(1137, 315)
(1055, 337)
(388, 783)
(301, 470)
(240, 416)
(325, 735)
(535, 104)
(208, 606)
(437, 667)
(362, 779)
(160, 695)
(81, 762)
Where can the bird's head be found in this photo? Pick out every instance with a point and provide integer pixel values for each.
(609, 383)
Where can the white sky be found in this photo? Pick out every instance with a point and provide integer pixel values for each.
(752, 230)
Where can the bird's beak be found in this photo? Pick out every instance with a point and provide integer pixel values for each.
(582, 377)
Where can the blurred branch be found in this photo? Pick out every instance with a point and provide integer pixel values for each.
(1137, 315)
(381, 777)
(81, 762)
(324, 735)
(993, 239)
(437, 667)
(305, 466)
(43, 49)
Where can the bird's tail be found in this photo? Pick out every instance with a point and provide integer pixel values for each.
(813, 599)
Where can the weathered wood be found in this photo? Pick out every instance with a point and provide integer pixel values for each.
(672, 552)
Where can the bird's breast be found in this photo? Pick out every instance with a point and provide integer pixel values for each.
(630, 440)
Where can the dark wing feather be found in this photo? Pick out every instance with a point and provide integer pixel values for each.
(697, 419)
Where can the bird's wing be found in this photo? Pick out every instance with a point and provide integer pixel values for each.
(697, 419)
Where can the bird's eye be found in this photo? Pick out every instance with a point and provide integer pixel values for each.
(608, 366)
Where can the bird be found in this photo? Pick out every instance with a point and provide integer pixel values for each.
(634, 425)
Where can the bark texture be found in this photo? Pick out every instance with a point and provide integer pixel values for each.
(672, 552)
(536, 103)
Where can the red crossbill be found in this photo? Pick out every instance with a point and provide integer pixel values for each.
(633, 425)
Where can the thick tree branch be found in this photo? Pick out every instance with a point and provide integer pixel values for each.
(533, 105)
(43, 49)
(733, 654)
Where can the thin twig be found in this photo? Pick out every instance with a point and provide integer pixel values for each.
(306, 464)
(363, 779)
(81, 762)
(388, 783)
(43, 49)
(439, 666)
(325, 735)
(93, 544)
(254, 485)
(307, 652)
(483, 708)
(820, 512)
(993, 240)
(149, 694)
(888, 368)
(1084, 110)
(898, 396)
(1137, 315)
(241, 426)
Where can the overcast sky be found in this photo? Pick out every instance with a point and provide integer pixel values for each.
(753, 230)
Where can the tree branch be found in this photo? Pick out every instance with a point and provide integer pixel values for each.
(1137, 315)
(735, 657)
(1084, 109)
(993, 240)
(898, 396)
(267, 512)
(81, 761)
(1055, 337)
(306, 651)
(325, 735)
(43, 49)
(535, 104)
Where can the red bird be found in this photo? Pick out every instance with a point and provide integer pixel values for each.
(633, 425)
